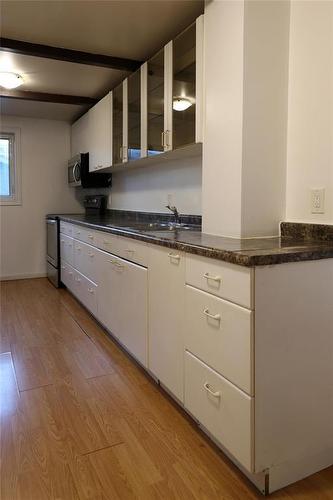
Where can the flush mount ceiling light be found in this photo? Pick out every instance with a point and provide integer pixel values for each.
(10, 80)
(181, 103)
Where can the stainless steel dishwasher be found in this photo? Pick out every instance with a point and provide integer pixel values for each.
(52, 252)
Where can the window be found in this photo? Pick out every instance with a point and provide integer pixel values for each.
(10, 188)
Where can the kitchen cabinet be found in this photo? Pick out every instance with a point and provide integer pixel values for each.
(80, 136)
(134, 116)
(92, 133)
(118, 124)
(123, 302)
(100, 134)
(166, 318)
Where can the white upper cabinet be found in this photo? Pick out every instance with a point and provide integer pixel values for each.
(100, 134)
(80, 136)
(155, 110)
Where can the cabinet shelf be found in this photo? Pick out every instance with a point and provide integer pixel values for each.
(189, 151)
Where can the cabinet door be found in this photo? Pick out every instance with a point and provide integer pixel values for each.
(155, 104)
(184, 88)
(132, 308)
(134, 115)
(117, 125)
(166, 313)
(80, 136)
(100, 134)
(110, 293)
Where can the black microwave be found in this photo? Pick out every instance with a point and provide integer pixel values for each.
(79, 175)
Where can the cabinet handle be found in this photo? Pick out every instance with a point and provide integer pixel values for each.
(91, 236)
(129, 250)
(78, 249)
(62, 241)
(90, 290)
(63, 267)
(208, 388)
(91, 254)
(213, 278)
(217, 317)
(111, 261)
(78, 280)
(70, 272)
(106, 242)
(78, 233)
(174, 256)
(162, 139)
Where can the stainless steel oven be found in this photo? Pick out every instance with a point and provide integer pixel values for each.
(52, 251)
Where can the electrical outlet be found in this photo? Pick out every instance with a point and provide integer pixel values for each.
(318, 201)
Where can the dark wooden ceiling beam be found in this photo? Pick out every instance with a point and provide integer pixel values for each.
(69, 55)
(27, 95)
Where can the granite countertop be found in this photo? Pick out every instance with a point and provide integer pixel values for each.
(299, 242)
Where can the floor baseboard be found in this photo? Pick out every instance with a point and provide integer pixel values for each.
(22, 276)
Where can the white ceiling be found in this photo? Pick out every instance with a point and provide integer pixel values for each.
(130, 29)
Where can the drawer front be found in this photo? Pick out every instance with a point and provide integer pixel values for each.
(86, 291)
(67, 275)
(228, 281)
(85, 235)
(225, 411)
(85, 260)
(220, 334)
(66, 228)
(133, 250)
(107, 242)
(67, 249)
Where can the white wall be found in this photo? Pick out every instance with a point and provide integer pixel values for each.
(310, 122)
(147, 189)
(45, 149)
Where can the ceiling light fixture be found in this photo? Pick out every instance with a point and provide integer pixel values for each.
(10, 80)
(181, 103)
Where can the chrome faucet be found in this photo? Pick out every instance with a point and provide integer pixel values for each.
(175, 213)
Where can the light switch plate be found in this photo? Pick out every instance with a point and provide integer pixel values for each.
(318, 201)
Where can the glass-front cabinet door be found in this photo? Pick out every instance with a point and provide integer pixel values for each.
(117, 125)
(184, 88)
(134, 115)
(155, 104)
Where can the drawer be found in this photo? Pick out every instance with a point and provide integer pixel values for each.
(107, 242)
(66, 228)
(85, 235)
(86, 291)
(85, 257)
(225, 280)
(220, 333)
(67, 249)
(67, 275)
(133, 250)
(223, 409)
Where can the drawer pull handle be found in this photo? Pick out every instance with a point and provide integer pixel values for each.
(91, 254)
(78, 249)
(78, 233)
(217, 317)
(213, 278)
(208, 388)
(90, 236)
(111, 261)
(78, 280)
(129, 250)
(62, 241)
(90, 290)
(70, 272)
(106, 242)
(174, 256)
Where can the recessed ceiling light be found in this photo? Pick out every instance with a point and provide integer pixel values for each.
(10, 80)
(181, 103)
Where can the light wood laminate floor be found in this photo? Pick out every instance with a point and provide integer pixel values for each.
(80, 420)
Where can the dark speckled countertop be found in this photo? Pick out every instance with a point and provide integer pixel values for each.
(299, 242)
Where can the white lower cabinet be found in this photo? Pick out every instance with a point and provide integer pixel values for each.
(67, 249)
(223, 409)
(123, 290)
(85, 260)
(166, 317)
